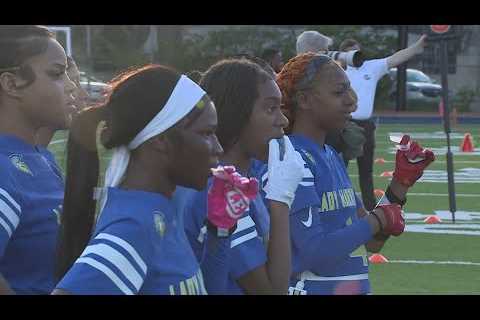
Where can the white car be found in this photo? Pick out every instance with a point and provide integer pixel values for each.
(420, 87)
(95, 88)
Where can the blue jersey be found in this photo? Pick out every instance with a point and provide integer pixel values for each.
(327, 236)
(31, 193)
(247, 243)
(51, 159)
(138, 247)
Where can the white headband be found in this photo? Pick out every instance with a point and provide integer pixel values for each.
(183, 99)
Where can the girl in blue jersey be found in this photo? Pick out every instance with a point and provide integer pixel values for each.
(35, 92)
(249, 117)
(161, 127)
(80, 95)
(330, 229)
(44, 135)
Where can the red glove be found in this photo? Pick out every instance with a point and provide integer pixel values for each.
(410, 161)
(394, 222)
(229, 197)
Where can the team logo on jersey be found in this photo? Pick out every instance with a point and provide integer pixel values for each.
(19, 164)
(159, 221)
(366, 77)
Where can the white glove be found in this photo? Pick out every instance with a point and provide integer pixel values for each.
(285, 171)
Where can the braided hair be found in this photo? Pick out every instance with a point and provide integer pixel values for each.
(18, 43)
(295, 77)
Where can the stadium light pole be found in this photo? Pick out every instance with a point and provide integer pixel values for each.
(89, 41)
(402, 71)
(446, 122)
(443, 33)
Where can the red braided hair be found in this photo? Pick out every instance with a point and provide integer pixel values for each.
(287, 79)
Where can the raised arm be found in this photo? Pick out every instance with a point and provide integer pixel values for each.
(406, 54)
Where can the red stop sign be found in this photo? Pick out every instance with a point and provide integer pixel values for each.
(440, 28)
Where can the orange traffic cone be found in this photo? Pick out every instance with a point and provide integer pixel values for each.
(378, 193)
(467, 143)
(432, 220)
(380, 161)
(387, 174)
(377, 258)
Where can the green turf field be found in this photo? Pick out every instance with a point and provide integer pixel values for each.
(420, 262)
(429, 277)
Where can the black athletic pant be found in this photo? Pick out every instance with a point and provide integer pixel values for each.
(365, 164)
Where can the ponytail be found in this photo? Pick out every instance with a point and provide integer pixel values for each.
(148, 87)
(82, 171)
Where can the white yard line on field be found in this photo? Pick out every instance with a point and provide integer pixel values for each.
(434, 180)
(438, 161)
(424, 194)
(428, 135)
(440, 151)
(467, 263)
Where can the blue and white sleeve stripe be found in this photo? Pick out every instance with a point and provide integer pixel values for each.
(10, 212)
(308, 179)
(264, 179)
(117, 260)
(245, 231)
